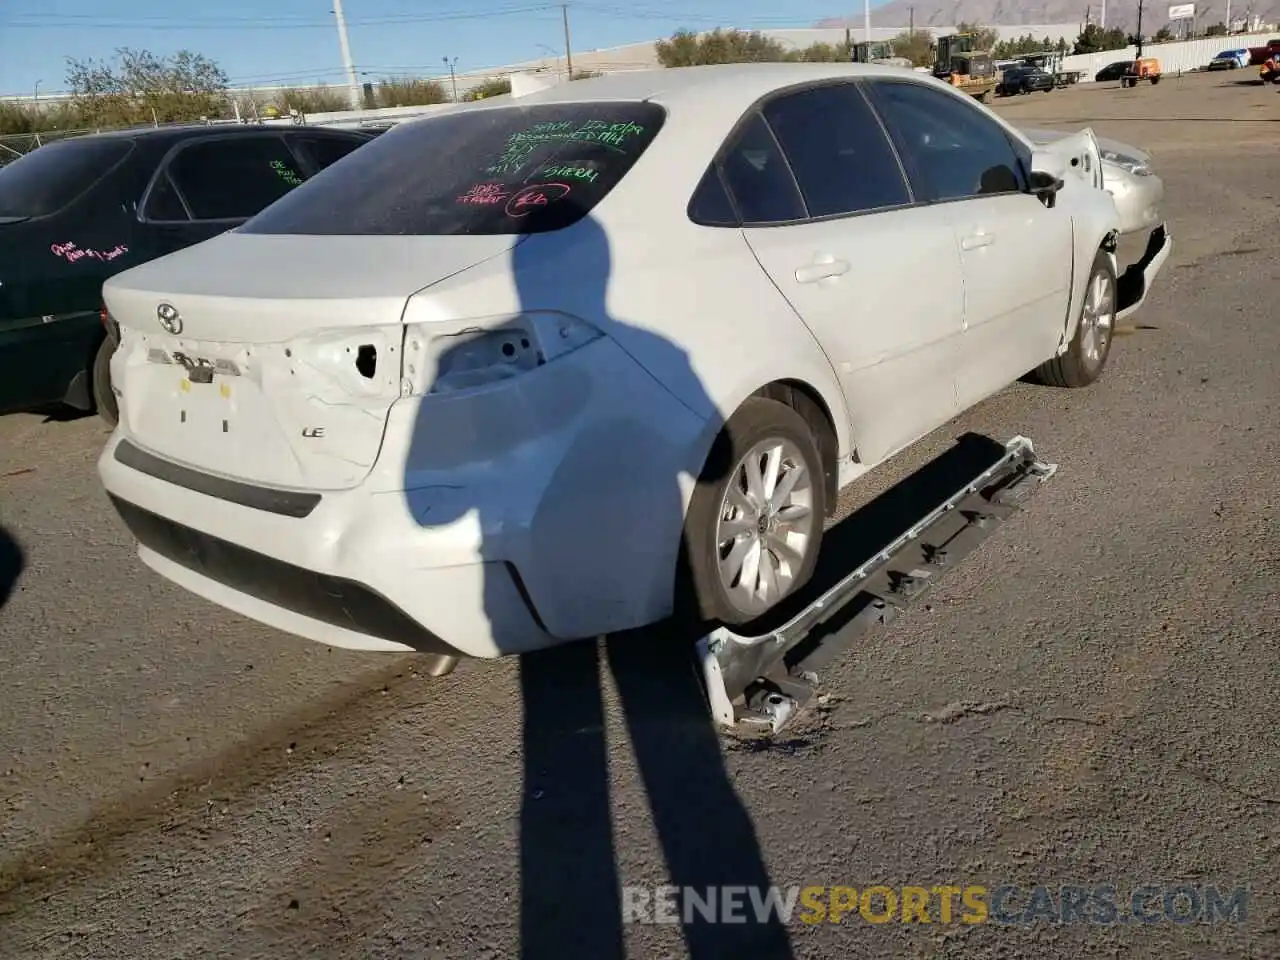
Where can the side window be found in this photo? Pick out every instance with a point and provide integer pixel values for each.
(234, 177)
(163, 202)
(321, 152)
(757, 177)
(710, 205)
(951, 149)
(838, 151)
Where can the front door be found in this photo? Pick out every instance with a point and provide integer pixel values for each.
(1015, 253)
(876, 279)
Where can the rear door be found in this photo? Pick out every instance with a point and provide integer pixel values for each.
(828, 213)
(209, 185)
(1016, 254)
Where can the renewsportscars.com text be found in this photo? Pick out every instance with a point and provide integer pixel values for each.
(1102, 904)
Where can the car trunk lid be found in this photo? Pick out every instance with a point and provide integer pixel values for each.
(274, 359)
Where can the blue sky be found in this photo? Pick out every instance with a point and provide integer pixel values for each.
(296, 42)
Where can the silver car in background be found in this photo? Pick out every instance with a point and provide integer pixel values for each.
(1127, 176)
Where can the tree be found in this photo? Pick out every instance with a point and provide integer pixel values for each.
(1216, 30)
(985, 38)
(322, 99)
(493, 87)
(914, 46)
(1163, 35)
(841, 52)
(410, 93)
(687, 49)
(1093, 39)
(140, 87)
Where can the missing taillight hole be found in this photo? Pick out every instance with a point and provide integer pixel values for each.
(367, 360)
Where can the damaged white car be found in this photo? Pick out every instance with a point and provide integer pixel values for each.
(557, 367)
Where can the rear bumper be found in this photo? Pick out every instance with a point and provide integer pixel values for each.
(1134, 285)
(504, 541)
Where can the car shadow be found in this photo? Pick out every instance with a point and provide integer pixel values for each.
(572, 891)
(12, 563)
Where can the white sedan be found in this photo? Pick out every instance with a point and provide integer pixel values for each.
(558, 367)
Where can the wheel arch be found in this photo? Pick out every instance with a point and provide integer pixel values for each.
(805, 400)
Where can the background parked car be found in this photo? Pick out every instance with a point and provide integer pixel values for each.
(1230, 60)
(1019, 80)
(75, 212)
(1113, 71)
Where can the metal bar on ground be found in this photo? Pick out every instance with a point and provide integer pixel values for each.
(759, 682)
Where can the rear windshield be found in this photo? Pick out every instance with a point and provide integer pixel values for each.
(50, 177)
(511, 169)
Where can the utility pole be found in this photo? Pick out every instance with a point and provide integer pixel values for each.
(353, 84)
(568, 50)
(911, 21)
(866, 20)
(1139, 38)
(453, 81)
(1228, 18)
(1103, 19)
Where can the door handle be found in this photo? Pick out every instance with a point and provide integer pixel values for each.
(823, 267)
(977, 240)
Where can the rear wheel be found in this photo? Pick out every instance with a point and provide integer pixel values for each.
(754, 526)
(103, 396)
(1089, 348)
(1154, 81)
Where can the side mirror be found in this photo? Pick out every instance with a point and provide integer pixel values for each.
(1047, 172)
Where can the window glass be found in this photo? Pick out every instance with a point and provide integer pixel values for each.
(234, 177)
(710, 204)
(837, 150)
(50, 177)
(324, 151)
(500, 170)
(163, 202)
(951, 149)
(756, 175)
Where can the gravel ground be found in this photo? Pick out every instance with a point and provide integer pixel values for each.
(1084, 701)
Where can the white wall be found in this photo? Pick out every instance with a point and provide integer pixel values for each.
(1173, 57)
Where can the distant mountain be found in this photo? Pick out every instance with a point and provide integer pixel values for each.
(939, 13)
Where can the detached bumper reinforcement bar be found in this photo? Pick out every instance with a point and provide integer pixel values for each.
(758, 683)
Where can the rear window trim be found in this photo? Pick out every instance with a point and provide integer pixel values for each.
(166, 162)
(109, 172)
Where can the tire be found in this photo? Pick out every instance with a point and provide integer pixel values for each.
(720, 534)
(100, 382)
(1090, 345)
(1154, 81)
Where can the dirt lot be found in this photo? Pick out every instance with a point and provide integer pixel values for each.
(179, 782)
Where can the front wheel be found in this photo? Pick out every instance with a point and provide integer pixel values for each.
(1089, 348)
(754, 525)
(1154, 81)
(104, 397)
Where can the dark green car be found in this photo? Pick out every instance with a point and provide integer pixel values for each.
(77, 211)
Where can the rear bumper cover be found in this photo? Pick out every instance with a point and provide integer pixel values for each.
(479, 531)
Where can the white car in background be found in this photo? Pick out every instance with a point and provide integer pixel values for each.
(540, 371)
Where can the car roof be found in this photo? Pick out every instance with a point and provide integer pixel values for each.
(185, 131)
(730, 86)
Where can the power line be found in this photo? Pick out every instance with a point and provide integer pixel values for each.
(51, 21)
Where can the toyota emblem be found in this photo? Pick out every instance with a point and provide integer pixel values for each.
(169, 318)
